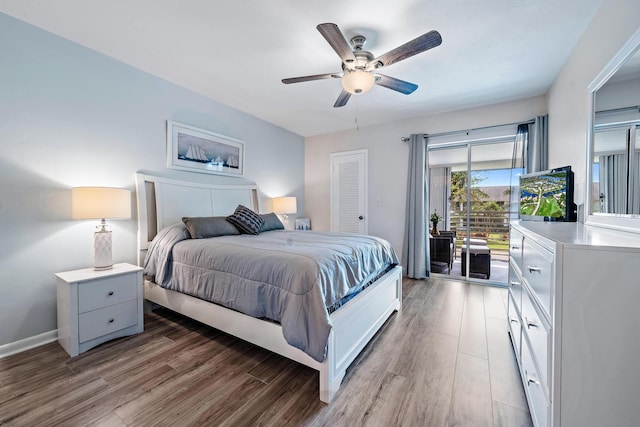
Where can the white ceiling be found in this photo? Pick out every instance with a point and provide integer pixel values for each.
(237, 52)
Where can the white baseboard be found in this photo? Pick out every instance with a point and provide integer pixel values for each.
(28, 343)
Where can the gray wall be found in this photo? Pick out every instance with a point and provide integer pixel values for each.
(72, 117)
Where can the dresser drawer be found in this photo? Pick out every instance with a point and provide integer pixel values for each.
(537, 330)
(515, 247)
(514, 326)
(106, 291)
(538, 402)
(106, 320)
(515, 285)
(537, 270)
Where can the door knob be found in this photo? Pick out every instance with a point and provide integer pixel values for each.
(361, 217)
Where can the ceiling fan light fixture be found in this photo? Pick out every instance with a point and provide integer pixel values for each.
(358, 81)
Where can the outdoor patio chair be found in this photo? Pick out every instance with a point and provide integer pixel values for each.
(452, 235)
(479, 262)
(441, 250)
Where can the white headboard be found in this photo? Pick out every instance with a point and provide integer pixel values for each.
(164, 201)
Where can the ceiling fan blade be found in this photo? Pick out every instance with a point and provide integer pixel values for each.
(336, 39)
(395, 84)
(310, 78)
(343, 98)
(415, 46)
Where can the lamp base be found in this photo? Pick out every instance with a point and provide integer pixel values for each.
(102, 250)
(285, 222)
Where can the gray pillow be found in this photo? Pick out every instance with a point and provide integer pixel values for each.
(271, 222)
(246, 220)
(209, 226)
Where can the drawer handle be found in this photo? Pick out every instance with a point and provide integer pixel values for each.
(532, 269)
(514, 283)
(515, 248)
(530, 323)
(111, 320)
(110, 293)
(514, 320)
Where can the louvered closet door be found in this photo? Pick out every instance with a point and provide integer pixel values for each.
(349, 192)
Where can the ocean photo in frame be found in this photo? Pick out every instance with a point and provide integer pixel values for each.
(198, 150)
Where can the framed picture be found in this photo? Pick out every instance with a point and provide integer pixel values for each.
(198, 150)
(303, 224)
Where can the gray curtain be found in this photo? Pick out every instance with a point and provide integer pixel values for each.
(520, 146)
(415, 252)
(538, 145)
(613, 183)
(517, 162)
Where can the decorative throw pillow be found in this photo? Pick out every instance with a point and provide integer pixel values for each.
(209, 226)
(271, 222)
(246, 220)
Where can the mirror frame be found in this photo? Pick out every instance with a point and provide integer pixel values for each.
(616, 221)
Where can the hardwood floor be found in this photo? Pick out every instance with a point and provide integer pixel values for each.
(445, 360)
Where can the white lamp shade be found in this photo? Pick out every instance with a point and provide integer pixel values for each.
(100, 203)
(358, 81)
(285, 205)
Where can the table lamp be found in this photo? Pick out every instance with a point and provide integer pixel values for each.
(284, 206)
(101, 203)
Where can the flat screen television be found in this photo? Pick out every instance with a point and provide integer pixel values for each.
(548, 195)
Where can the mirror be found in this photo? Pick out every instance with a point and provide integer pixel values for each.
(614, 170)
(613, 153)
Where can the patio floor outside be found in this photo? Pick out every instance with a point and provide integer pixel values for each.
(499, 266)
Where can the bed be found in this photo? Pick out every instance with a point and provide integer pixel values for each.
(164, 201)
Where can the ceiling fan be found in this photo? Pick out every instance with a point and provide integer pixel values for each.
(359, 67)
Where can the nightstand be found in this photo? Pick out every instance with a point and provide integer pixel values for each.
(98, 306)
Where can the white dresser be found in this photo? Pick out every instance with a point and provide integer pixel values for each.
(574, 318)
(97, 306)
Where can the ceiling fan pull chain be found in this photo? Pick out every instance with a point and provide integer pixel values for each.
(356, 119)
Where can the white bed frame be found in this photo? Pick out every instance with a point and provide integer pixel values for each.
(164, 201)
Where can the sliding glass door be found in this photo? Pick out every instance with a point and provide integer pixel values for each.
(470, 189)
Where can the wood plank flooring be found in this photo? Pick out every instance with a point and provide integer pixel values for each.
(445, 360)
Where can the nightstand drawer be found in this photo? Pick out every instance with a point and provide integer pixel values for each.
(106, 291)
(106, 320)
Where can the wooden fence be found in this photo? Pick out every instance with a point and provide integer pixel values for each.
(492, 226)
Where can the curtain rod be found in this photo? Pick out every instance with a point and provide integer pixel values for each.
(454, 132)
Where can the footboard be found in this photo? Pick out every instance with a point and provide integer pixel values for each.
(355, 324)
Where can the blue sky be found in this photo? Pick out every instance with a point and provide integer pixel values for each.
(497, 177)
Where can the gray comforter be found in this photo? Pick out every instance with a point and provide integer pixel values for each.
(287, 276)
